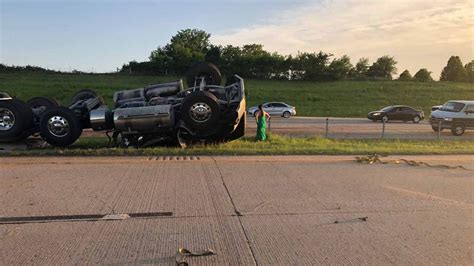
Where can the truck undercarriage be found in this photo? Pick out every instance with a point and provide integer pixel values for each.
(159, 114)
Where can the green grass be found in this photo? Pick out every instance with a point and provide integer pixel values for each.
(357, 98)
(275, 145)
(336, 99)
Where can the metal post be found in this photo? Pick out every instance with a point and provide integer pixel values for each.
(439, 129)
(383, 128)
(327, 126)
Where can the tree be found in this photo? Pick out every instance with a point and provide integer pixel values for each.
(311, 66)
(340, 67)
(362, 67)
(213, 55)
(384, 68)
(405, 76)
(423, 75)
(470, 71)
(454, 70)
(185, 48)
(160, 58)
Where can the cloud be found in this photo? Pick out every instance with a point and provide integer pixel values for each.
(419, 33)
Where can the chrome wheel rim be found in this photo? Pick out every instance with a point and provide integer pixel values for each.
(416, 119)
(385, 119)
(200, 112)
(58, 126)
(458, 130)
(7, 119)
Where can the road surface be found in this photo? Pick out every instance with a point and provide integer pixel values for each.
(354, 128)
(250, 210)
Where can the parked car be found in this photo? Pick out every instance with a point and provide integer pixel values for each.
(397, 112)
(160, 113)
(275, 108)
(454, 115)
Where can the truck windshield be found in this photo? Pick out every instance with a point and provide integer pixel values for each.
(453, 107)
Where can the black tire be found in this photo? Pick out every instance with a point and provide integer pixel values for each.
(209, 71)
(83, 95)
(457, 130)
(286, 114)
(54, 135)
(183, 138)
(200, 110)
(384, 118)
(240, 129)
(46, 102)
(19, 119)
(416, 119)
(435, 128)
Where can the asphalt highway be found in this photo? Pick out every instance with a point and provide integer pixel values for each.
(276, 210)
(354, 128)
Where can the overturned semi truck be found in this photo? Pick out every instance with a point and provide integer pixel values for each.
(159, 114)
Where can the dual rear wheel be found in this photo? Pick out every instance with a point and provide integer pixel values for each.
(16, 119)
(59, 126)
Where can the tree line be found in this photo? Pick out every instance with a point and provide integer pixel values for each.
(253, 61)
(453, 71)
(21, 69)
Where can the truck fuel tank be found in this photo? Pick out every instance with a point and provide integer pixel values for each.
(143, 119)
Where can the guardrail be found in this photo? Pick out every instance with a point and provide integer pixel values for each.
(356, 128)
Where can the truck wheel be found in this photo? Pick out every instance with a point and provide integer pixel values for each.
(200, 110)
(16, 118)
(84, 95)
(46, 102)
(60, 127)
(240, 129)
(209, 71)
(184, 138)
(457, 130)
(435, 128)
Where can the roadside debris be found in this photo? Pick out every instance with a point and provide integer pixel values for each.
(373, 159)
(239, 213)
(183, 253)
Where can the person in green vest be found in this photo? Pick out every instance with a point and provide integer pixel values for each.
(261, 117)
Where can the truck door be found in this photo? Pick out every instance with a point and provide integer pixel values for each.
(469, 112)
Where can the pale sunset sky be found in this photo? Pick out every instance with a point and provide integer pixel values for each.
(101, 35)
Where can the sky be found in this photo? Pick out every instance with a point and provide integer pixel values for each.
(102, 35)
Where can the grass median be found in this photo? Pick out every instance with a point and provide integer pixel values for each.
(275, 145)
(335, 99)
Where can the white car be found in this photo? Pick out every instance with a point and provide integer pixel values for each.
(455, 115)
(275, 108)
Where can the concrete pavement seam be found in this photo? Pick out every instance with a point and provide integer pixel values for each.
(237, 213)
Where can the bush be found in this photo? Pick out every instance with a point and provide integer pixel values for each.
(405, 76)
(423, 75)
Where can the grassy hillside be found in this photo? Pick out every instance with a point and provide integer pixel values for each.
(342, 98)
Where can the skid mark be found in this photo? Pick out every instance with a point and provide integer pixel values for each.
(425, 195)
